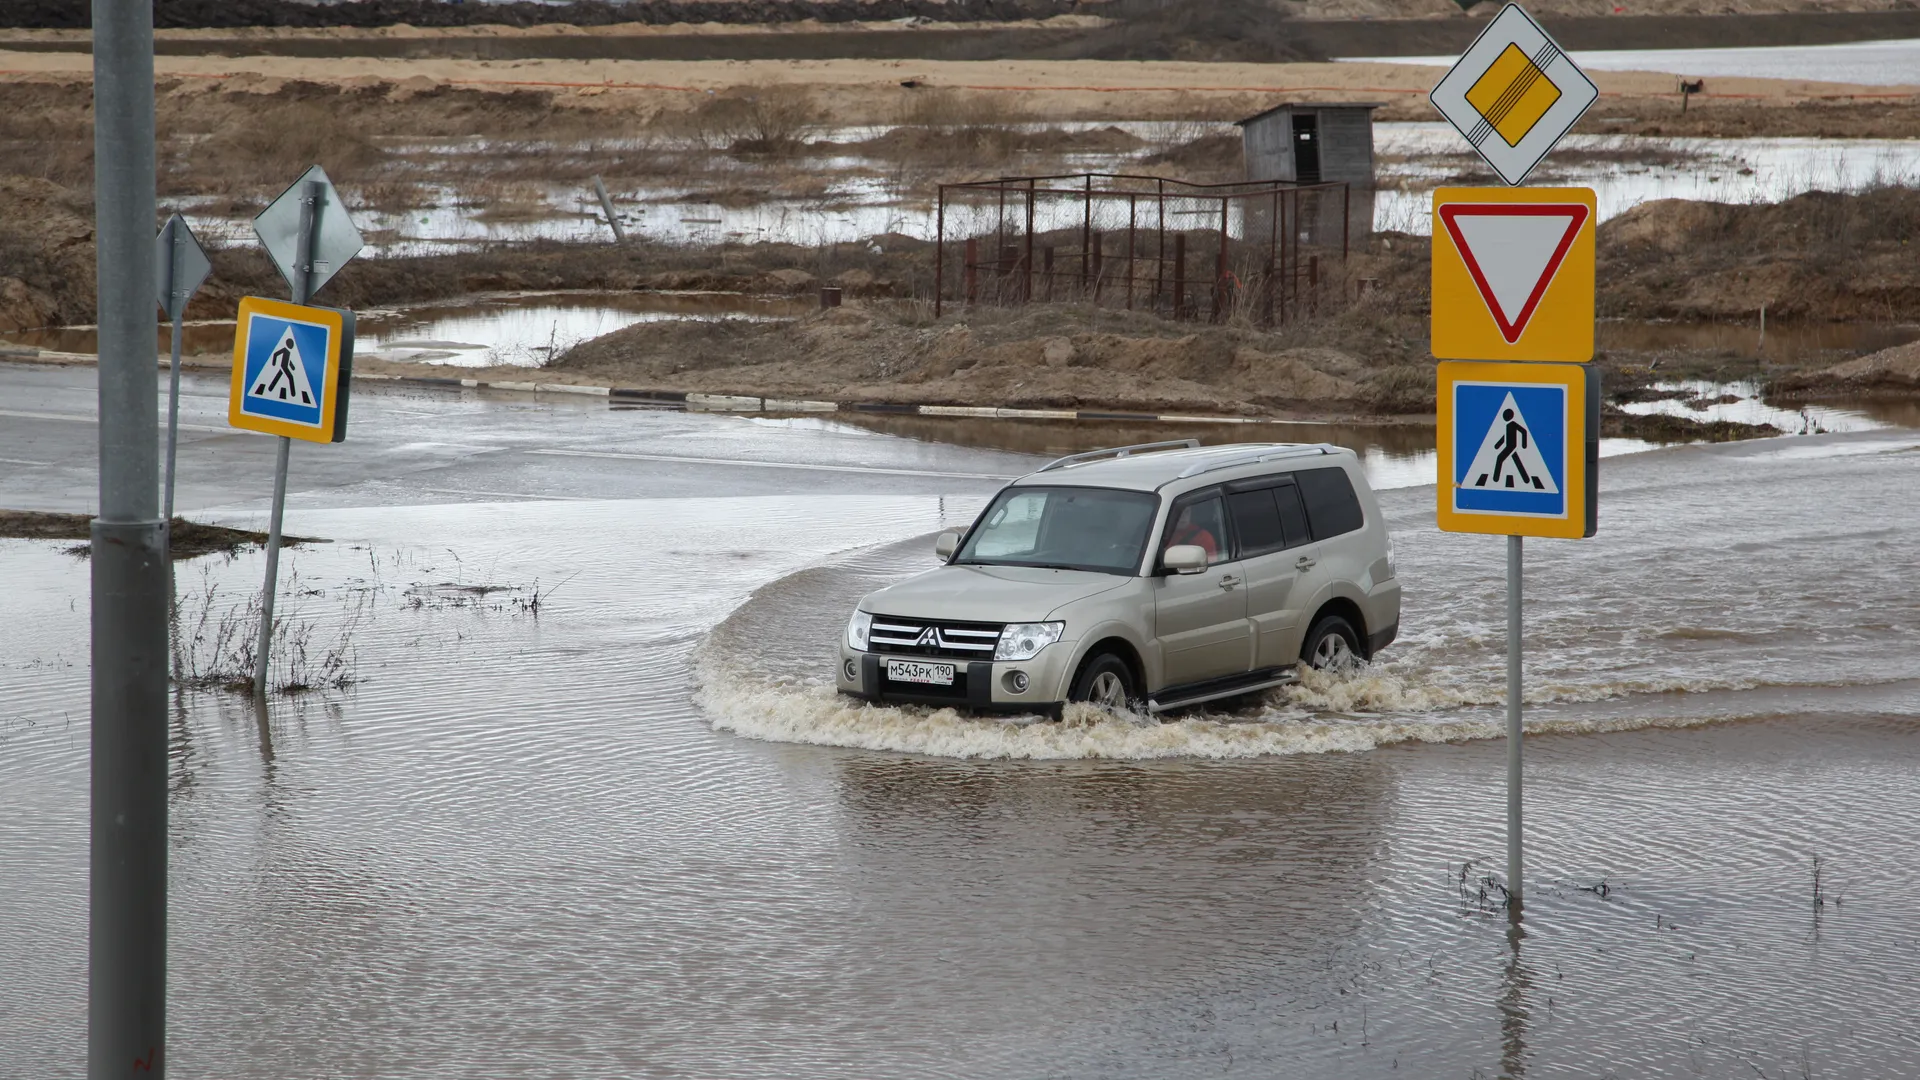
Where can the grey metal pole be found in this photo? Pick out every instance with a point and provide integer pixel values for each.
(1513, 722)
(606, 204)
(310, 205)
(173, 420)
(273, 568)
(127, 919)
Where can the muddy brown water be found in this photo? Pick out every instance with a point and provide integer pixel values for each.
(639, 835)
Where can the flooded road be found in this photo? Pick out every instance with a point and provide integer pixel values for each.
(632, 833)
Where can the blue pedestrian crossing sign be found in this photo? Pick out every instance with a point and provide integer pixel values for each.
(292, 368)
(1519, 448)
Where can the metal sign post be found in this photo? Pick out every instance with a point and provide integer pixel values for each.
(127, 869)
(1513, 280)
(309, 245)
(180, 267)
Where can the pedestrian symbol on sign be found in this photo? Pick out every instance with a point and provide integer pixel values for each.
(1510, 449)
(284, 378)
(1509, 456)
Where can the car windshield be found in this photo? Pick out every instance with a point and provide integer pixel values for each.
(1065, 528)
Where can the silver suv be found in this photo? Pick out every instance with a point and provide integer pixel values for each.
(1146, 577)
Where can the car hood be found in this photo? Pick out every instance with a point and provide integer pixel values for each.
(1001, 594)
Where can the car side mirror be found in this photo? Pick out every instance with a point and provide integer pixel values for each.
(945, 544)
(1185, 559)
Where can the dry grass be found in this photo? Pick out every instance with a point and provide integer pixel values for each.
(275, 144)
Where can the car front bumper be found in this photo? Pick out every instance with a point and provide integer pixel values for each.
(978, 684)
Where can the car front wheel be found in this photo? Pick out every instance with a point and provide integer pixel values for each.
(1106, 682)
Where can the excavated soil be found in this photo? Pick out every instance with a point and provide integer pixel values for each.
(218, 14)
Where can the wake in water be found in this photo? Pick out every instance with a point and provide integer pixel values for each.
(1659, 621)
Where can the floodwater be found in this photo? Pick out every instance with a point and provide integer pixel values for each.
(865, 199)
(524, 329)
(635, 834)
(1873, 63)
(1627, 170)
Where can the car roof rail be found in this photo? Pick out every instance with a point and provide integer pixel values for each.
(1272, 452)
(1118, 452)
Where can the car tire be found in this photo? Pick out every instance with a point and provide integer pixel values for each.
(1104, 681)
(1332, 645)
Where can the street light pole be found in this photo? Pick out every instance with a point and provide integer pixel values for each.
(127, 925)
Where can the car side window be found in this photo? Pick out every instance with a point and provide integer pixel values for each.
(1203, 523)
(1293, 515)
(1256, 522)
(1332, 507)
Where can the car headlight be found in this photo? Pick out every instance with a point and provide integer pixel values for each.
(1390, 568)
(858, 628)
(1022, 641)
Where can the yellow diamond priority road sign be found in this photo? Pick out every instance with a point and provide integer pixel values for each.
(1514, 94)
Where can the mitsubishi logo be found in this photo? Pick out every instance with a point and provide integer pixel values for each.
(929, 636)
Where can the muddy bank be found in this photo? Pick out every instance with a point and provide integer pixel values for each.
(189, 539)
(1892, 373)
(77, 14)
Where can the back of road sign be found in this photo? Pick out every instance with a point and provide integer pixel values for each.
(1513, 274)
(1519, 449)
(291, 369)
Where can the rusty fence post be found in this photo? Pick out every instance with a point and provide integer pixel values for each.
(939, 250)
(970, 271)
(1179, 275)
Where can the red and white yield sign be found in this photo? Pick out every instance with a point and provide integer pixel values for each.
(1513, 274)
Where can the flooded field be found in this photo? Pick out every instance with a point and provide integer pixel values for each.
(1882, 63)
(640, 812)
(832, 192)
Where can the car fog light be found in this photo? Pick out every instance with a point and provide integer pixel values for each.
(852, 673)
(1017, 682)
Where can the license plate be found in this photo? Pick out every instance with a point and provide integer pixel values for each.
(915, 671)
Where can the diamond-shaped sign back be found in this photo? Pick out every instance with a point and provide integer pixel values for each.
(336, 241)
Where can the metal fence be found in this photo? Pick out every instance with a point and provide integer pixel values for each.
(1186, 251)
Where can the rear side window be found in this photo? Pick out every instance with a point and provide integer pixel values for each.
(1332, 507)
(1293, 514)
(1256, 522)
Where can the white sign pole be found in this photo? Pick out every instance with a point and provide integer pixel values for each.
(1513, 723)
(311, 200)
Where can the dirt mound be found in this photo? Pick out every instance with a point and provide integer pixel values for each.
(220, 14)
(1055, 356)
(46, 255)
(1890, 371)
(1815, 256)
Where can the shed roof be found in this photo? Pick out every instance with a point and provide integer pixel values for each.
(1310, 105)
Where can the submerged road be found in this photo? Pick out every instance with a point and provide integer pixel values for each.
(627, 831)
(412, 446)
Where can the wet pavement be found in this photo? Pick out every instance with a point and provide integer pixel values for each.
(629, 831)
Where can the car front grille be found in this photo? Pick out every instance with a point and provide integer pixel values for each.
(947, 640)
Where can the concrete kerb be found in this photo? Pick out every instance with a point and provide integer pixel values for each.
(694, 401)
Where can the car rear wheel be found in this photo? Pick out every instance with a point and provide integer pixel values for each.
(1332, 645)
(1105, 681)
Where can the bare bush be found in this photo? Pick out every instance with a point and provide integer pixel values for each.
(765, 120)
(275, 144)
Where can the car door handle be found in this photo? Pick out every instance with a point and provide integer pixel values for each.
(1229, 581)
(1303, 563)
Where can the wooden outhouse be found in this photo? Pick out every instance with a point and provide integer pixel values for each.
(1317, 142)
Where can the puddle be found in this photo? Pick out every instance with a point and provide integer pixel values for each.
(1740, 402)
(527, 329)
(506, 329)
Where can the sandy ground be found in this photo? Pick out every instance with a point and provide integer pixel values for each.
(871, 91)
